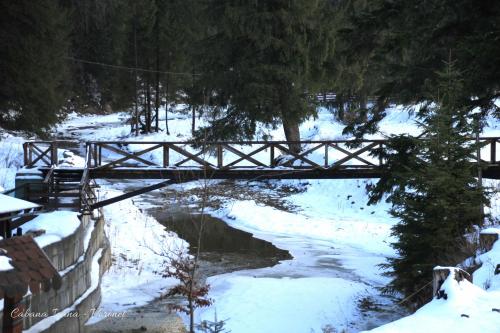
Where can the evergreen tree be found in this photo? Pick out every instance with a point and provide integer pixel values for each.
(430, 183)
(262, 61)
(99, 36)
(393, 50)
(33, 64)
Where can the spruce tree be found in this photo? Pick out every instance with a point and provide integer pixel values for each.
(431, 186)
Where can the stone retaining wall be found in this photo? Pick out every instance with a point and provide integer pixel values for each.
(73, 259)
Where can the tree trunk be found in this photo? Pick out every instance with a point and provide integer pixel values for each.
(193, 102)
(166, 104)
(148, 106)
(191, 316)
(292, 133)
(157, 91)
(193, 121)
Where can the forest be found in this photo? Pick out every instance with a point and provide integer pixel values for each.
(243, 62)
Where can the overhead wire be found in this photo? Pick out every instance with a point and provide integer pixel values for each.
(129, 68)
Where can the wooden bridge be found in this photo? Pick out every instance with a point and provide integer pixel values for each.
(185, 161)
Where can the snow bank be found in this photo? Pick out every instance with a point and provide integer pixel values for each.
(467, 308)
(57, 225)
(249, 216)
(138, 244)
(485, 277)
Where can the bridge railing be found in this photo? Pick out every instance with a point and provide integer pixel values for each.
(229, 155)
(234, 155)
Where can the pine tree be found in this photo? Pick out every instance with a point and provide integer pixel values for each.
(430, 183)
(33, 64)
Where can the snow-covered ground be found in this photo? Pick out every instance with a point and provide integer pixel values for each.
(336, 241)
(331, 228)
(139, 246)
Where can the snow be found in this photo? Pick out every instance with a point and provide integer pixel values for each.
(336, 240)
(57, 225)
(370, 236)
(330, 225)
(284, 304)
(485, 276)
(11, 158)
(138, 246)
(468, 308)
(10, 204)
(5, 262)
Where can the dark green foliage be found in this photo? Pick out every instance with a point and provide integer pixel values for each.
(393, 50)
(265, 58)
(99, 34)
(432, 188)
(33, 71)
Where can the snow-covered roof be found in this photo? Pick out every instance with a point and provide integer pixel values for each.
(10, 204)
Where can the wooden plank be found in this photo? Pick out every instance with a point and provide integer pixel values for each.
(220, 155)
(49, 174)
(493, 151)
(166, 155)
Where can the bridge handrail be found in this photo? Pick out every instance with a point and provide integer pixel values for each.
(484, 138)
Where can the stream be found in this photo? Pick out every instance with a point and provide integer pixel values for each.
(229, 253)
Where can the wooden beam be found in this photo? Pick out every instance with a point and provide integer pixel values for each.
(245, 156)
(131, 194)
(299, 157)
(191, 156)
(349, 154)
(354, 154)
(303, 154)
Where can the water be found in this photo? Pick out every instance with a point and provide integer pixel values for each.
(223, 248)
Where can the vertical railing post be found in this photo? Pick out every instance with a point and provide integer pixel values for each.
(99, 155)
(30, 154)
(166, 153)
(493, 151)
(25, 151)
(271, 156)
(53, 153)
(95, 154)
(326, 155)
(219, 155)
(380, 160)
(88, 154)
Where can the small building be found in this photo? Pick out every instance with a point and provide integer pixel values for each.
(23, 266)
